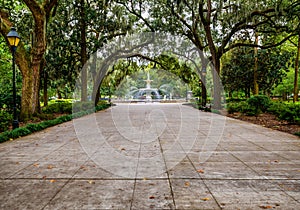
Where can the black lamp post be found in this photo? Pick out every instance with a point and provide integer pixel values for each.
(109, 93)
(14, 39)
(186, 93)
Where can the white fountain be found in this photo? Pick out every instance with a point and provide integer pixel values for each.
(148, 93)
(148, 88)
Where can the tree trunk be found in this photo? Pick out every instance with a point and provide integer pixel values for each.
(217, 84)
(255, 76)
(45, 88)
(215, 54)
(83, 52)
(215, 69)
(29, 63)
(295, 98)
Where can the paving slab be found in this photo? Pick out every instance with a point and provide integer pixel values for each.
(151, 156)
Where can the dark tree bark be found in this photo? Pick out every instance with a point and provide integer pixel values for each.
(29, 63)
(83, 51)
(295, 98)
(255, 74)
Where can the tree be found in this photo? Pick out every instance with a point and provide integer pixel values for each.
(294, 19)
(75, 44)
(238, 69)
(29, 62)
(214, 25)
(295, 97)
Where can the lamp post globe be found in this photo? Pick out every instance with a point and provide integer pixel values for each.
(14, 39)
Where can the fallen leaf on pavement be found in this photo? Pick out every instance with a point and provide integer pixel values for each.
(83, 168)
(36, 165)
(265, 207)
(200, 171)
(52, 180)
(91, 182)
(50, 167)
(151, 197)
(205, 199)
(187, 184)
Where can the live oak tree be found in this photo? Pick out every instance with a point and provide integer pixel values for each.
(214, 25)
(81, 29)
(29, 61)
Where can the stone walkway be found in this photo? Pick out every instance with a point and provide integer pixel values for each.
(151, 156)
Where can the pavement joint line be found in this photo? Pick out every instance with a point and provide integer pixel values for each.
(167, 172)
(136, 172)
(31, 162)
(67, 182)
(268, 179)
(263, 188)
(152, 179)
(56, 193)
(203, 181)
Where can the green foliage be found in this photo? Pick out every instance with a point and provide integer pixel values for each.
(289, 112)
(229, 100)
(6, 120)
(59, 107)
(83, 106)
(102, 20)
(252, 107)
(276, 108)
(238, 68)
(6, 102)
(233, 107)
(18, 132)
(287, 84)
(242, 107)
(260, 103)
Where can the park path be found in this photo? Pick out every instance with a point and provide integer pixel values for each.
(151, 156)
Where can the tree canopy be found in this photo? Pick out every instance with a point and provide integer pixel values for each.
(60, 36)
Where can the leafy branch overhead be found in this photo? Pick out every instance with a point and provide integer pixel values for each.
(60, 36)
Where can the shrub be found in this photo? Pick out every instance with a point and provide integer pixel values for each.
(6, 102)
(6, 120)
(102, 102)
(60, 107)
(276, 108)
(235, 100)
(34, 127)
(297, 120)
(4, 136)
(289, 112)
(83, 106)
(242, 107)
(259, 103)
(233, 107)
(18, 132)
